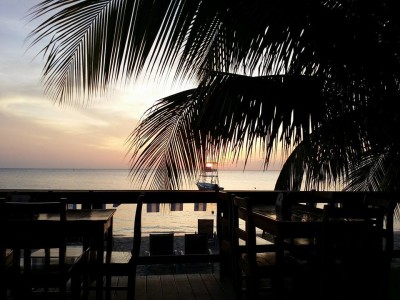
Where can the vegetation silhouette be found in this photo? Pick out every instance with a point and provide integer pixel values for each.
(319, 78)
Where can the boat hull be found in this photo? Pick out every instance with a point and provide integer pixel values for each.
(206, 186)
(208, 179)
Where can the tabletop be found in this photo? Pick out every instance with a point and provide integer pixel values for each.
(302, 222)
(297, 213)
(81, 215)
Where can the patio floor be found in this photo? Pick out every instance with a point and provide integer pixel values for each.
(175, 286)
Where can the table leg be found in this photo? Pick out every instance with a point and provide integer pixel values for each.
(109, 247)
(109, 241)
(100, 260)
(279, 288)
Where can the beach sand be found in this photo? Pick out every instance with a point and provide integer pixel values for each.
(124, 243)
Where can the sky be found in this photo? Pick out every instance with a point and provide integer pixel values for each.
(37, 133)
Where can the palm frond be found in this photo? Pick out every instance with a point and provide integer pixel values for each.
(292, 173)
(320, 76)
(93, 43)
(225, 117)
(165, 151)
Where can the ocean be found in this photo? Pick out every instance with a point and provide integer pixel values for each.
(118, 179)
(156, 218)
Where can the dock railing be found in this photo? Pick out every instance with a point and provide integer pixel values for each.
(100, 198)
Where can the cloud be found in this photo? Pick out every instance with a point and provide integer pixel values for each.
(35, 132)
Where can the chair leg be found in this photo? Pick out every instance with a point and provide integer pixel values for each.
(227, 266)
(4, 285)
(76, 285)
(131, 283)
(108, 285)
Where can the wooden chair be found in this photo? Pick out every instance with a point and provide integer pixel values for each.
(197, 244)
(353, 260)
(301, 246)
(206, 226)
(232, 249)
(388, 204)
(118, 263)
(6, 257)
(24, 233)
(161, 244)
(258, 263)
(225, 235)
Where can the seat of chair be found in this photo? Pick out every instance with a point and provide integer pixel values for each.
(72, 256)
(115, 263)
(261, 245)
(71, 251)
(302, 248)
(268, 260)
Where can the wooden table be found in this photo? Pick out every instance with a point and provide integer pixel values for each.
(92, 225)
(303, 222)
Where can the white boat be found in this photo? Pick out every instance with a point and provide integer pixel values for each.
(208, 179)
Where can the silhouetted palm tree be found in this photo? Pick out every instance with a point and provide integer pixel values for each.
(319, 77)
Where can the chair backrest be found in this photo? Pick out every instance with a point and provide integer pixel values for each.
(26, 227)
(137, 228)
(353, 244)
(196, 243)
(224, 220)
(206, 226)
(244, 228)
(282, 206)
(352, 233)
(161, 243)
(388, 204)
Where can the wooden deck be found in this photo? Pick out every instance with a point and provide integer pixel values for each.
(167, 287)
(205, 286)
(175, 286)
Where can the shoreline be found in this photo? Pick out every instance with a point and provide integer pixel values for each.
(124, 244)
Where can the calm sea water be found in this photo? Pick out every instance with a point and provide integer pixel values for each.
(102, 179)
(155, 218)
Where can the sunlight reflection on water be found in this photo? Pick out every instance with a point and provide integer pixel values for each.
(165, 220)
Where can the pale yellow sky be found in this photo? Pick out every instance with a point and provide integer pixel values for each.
(35, 133)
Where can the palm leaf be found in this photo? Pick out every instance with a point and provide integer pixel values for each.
(228, 113)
